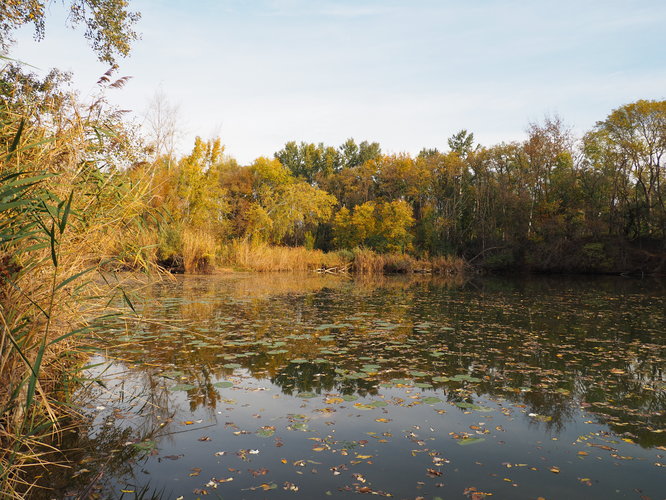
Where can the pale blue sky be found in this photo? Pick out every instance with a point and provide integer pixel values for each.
(407, 74)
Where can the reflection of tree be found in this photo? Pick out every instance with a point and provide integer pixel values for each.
(546, 344)
(318, 378)
(102, 451)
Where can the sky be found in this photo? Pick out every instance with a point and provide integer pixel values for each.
(407, 74)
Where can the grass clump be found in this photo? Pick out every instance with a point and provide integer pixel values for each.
(63, 208)
(366, 261)
(263, 257)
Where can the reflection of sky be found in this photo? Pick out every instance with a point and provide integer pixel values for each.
(511, 332)
(406, 74)
(401, 450)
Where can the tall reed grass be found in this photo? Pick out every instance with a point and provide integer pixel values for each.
(199, 250)
(260, 257)
(366, 261)
(58, 208)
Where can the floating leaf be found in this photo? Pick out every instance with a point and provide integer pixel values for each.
(182, 387)
(266, 431)
(470, 440)
(423, 385)
(145, 445)
(223, 385)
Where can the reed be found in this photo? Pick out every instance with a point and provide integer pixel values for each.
(58, 207)
(448, 264)
(199, 250)
(261, 257)
(366, 261)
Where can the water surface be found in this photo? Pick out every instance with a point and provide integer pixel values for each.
(284, 386)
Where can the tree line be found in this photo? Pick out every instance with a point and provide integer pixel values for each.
(549, 202)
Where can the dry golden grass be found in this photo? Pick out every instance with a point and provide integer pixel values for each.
(369, 262)
(57, 211)
(448, 264)
(262, 258)
(199, 250)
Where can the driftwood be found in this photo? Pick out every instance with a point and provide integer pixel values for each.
(334, 269)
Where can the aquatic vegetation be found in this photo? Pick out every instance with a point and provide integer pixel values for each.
(519, 393)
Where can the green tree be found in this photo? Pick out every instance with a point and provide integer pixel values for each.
(109, 25)
(633, 139)
(461, 142)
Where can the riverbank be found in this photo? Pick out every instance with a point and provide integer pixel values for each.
(224, 361)
(244, 256)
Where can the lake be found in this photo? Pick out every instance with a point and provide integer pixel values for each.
(283, 386)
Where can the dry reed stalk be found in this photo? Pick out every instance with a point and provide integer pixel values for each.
(56, 209)
(199, 250)
(265, 258)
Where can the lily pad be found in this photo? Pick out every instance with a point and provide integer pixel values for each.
(145, 445)
(468, 441)
(423, 385)
(223, 385)
(182, 387)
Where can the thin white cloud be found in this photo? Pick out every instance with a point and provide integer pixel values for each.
(408, 74)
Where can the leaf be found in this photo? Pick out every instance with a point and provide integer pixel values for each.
(471, 440)
(182, 387)
(145, 445)
(223, 385)
(266, 432)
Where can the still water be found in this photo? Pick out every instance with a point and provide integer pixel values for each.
(302, 386)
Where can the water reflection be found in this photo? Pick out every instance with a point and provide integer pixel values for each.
(559, 351)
